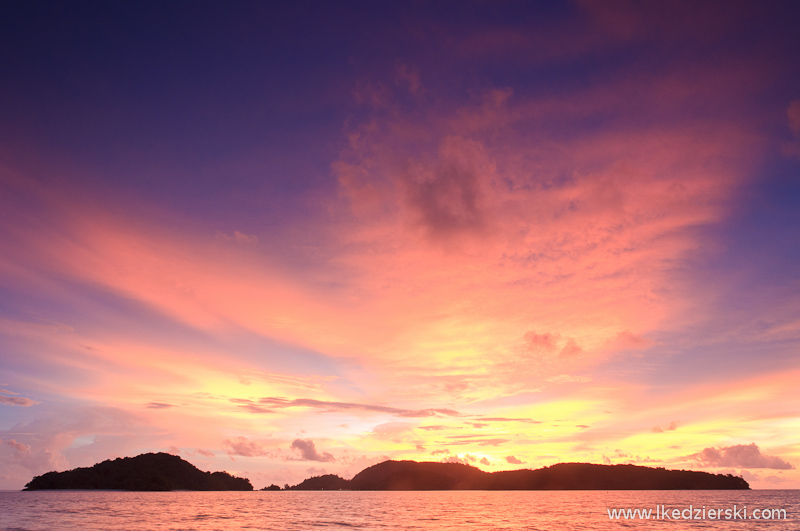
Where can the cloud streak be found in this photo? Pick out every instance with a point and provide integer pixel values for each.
(17, 401)
(326, 406)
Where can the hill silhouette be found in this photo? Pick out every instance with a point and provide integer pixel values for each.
(412, 475)
(326, 482)
(162, 472)
(145, 472)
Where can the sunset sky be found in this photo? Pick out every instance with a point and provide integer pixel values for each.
(284, 239)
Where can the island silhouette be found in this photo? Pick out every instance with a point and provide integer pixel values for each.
(162, 472)
(413, 475)
(145, 472)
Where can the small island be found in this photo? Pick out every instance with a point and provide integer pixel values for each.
(145, 472)
(412, 475)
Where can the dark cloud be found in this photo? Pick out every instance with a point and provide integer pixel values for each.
(278, 402)
(741, 456)
(792, 149)
(447, 200)
(158, 405)
(308, 451)
(206, 453)
(513, 460)
(243, 446)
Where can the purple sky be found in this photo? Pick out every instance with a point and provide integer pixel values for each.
(288, 238)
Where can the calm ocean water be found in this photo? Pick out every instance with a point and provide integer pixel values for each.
(448, 510)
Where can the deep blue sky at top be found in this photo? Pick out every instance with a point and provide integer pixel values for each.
(186, 83)
(230, 111)
(152, 96)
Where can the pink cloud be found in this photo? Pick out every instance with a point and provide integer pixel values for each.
(28, 460)
(308, 451)
(546, 342)
(237, 237)
(485, 219)
(466, 460)
(794, 116)
(481, 230)
(741, 456)
(18, 446)
(672, 427)
(17, 401)
(244, 447)
(59, 439)
(792, 149)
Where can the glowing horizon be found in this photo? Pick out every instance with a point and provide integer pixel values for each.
(518, 239)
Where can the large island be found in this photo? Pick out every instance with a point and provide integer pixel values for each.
(146, 472)
(411, 475)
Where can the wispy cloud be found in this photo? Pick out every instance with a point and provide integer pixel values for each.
(158, 405)
(18, 446)
(476, 439)
(326, 406)
(507, 419)
(17, 401)
(242, 446)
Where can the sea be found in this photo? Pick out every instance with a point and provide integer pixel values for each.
(774, 510)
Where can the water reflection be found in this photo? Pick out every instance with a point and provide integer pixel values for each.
(453, 510)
